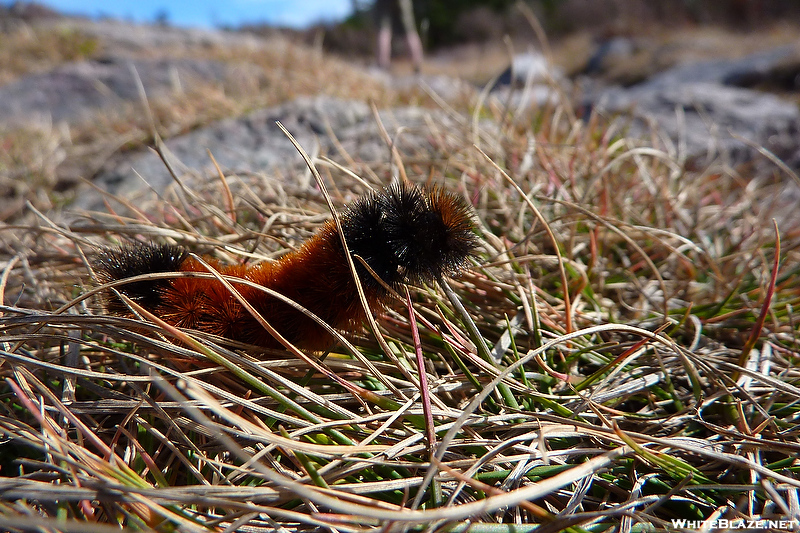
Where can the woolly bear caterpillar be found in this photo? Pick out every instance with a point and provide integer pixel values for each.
(406, 234)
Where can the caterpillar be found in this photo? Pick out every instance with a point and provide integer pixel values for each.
(406, 234)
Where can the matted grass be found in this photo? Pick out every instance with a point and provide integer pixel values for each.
(625, 356)
(265, 73)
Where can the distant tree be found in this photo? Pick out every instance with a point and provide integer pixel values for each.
(387, 14)
(441, 17)
(161, 18)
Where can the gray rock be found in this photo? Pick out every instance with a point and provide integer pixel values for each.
(695, 106)
(445, 87)
(72, 91)
(708, 117)
(528, 83)
(255, 144)
(732, 72)
(124, 37)
(529, 68)
(608, 53)
(530, 97)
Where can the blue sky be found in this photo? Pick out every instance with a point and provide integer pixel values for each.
(211, 13)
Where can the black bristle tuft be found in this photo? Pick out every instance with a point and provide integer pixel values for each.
(404, 233)
(113, 264)
(408, 235)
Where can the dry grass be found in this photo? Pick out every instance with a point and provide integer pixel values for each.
(268, 73)
(633, 362)
(26, 49)
(263, 74)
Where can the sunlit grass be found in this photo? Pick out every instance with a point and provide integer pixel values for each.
(631, 376)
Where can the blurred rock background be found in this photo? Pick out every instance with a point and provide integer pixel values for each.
(713, 80)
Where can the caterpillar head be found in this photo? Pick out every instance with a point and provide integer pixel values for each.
(407, 234)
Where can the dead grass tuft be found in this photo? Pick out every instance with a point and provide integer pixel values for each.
(633, 362)
(262, 74)
(26, 49)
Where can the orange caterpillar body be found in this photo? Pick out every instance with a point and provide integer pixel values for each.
(405, 234)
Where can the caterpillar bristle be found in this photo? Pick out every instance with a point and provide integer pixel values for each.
(127, 261)
(405, 234)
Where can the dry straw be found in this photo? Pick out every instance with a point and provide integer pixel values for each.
(639, 363)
